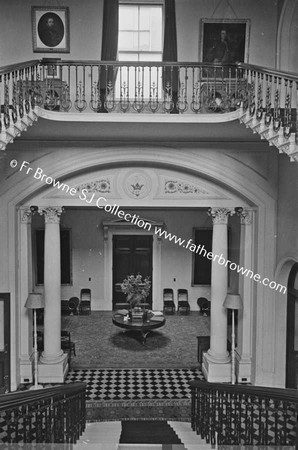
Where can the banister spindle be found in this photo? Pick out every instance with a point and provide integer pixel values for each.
(276, 110)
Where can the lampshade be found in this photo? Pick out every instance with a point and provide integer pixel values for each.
(233, 301)
(35, 300)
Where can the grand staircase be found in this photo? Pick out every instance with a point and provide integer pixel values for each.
(221, 414)
(109, 436)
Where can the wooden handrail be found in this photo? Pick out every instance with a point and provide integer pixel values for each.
(289, 395)
(19, 66)
(19, 398)
(49, 415)
(46, 62)
(268, 71)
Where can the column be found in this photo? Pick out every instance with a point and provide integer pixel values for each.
(244, 331)
(53, 367)
(25, 286)
(216, 362)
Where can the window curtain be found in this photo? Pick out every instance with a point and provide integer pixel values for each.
(170, 49)
(109, 47)
(170, 33)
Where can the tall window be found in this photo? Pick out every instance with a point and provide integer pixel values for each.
(140, 38)
(140, 32)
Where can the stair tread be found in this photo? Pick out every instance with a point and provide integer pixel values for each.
(106, 436)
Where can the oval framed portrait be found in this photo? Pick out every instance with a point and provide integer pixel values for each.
(50, 29)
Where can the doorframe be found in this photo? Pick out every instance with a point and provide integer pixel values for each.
(290, 333)
(281, 276)
(149, 299)
(118, 227)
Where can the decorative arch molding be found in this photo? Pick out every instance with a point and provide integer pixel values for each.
(208, 164)
(284, 41)
(224, 172)
(139, 186)
(280, 305)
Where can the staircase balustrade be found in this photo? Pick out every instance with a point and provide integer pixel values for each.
(265, 99)
(225, 414)
(49, 415)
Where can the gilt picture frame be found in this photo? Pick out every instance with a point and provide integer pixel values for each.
(224, 40)
(50, 29)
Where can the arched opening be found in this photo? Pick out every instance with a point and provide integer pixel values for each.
(292, 329)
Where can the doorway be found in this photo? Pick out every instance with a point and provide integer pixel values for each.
(4, 343)
(292, 330)
(132, 254)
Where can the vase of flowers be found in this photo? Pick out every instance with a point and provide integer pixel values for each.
(136, 289)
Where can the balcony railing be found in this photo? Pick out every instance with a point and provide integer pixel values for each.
(244, 415)
(266, 100)
(50, 415)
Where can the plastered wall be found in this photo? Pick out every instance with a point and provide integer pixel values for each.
(86, 26)
(287, 214)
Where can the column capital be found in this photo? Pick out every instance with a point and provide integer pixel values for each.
(26, 215)
(51, 213)
(220, 215)
(245, 216)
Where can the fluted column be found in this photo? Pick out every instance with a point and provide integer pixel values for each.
(216, 362)
(244, 331)
(53, 367)
(25, 317)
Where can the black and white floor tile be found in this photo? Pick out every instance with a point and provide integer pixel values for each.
(135, 384)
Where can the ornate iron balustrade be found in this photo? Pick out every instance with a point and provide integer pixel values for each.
(269, 107)
(50, 415)
(267, 99)
(244, 415)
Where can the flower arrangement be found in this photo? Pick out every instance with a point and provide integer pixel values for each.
(136, 288)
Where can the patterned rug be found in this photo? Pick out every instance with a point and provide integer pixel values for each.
(178, 410)
(100, 344)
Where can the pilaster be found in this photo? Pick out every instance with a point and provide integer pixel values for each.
(244, 330)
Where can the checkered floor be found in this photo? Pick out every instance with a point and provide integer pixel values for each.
(135, 384)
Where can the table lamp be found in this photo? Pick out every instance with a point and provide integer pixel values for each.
(233, 301)
(35, 301)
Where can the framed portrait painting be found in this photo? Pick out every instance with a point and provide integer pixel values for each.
(224, 40)
(50, 29)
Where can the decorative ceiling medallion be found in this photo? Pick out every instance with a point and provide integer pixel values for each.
(103, 185)
(137, 185)
(172, 187)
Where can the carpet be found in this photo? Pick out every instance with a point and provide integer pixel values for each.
(100, 344)
(148, 432)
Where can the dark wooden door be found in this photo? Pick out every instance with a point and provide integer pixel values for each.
(132, 254)
(4, 343)
(292, 325)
